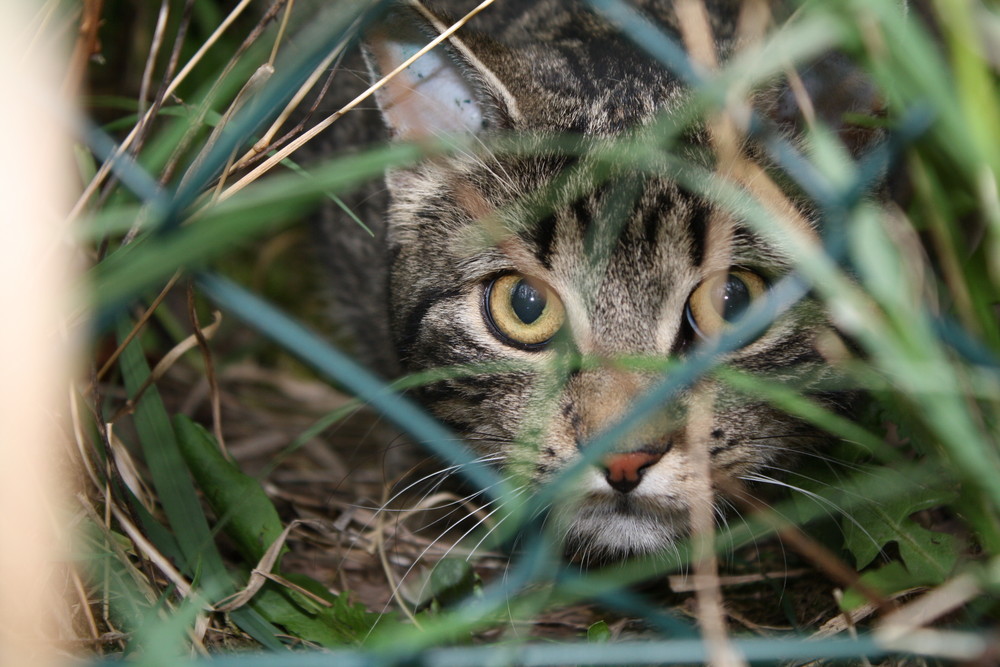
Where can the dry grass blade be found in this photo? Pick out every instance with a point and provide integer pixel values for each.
(123, 466)
(83, 603)
(944, 599)
(379, 540)
(711, 614)
(105, 169)
(848, 620)
(206, 355)
(697, 34)
(198, 119)
(164, 364)
(152, 554)
(137, 328)
(281, 32)
(86, 45)
(252, 87)
(680, 583)
(265, 141)
(307, 136)
(36, 276)
(154, 50)
(262, 572)
(974, 648)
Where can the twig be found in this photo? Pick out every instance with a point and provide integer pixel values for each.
(213, 380)
(708, 593)
(140, 323)
(86, 46)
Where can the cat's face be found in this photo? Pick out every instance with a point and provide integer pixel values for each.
(585, 302)
(549, 297)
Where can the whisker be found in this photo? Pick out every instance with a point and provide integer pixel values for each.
(517, 492)
(443, 474)
(820, 500)
(458, 541)
(416, 561)
(446, 472)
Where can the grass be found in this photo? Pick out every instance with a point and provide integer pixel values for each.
(211, 504)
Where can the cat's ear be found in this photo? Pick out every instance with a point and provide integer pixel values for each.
(448, 90)
(834, 91)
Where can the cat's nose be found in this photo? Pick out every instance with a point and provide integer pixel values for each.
(625, 471)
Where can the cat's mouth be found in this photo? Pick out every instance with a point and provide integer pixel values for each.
(606, 528)
(628, 505)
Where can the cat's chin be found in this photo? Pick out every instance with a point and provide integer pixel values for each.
(613, 528)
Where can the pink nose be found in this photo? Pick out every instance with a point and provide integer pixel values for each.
(624, 471)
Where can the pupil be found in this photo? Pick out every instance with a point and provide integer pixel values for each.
(526, 302)
(735, 299)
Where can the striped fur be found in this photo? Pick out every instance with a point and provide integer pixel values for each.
(624, 255)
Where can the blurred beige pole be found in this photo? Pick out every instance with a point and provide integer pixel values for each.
(35, 358)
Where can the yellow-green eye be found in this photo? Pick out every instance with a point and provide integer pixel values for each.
(720, 300)
(522, 312)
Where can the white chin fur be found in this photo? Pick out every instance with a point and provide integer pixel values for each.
(604, 528)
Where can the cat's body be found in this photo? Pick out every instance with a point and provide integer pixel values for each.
(634, 267)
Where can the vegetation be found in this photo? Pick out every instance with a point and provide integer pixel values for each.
(217, 430)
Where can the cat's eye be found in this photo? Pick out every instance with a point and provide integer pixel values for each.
(721, 299)
(521, 312)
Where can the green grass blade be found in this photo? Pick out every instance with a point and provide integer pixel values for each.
(176, 492)
(169, 474)
(263, 208)
(245, 512)
(319, 354)
(674, 652)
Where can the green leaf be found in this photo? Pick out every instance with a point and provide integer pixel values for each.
(169, 473)
(272, 604)
(927, 555)
(886, 580)
(352, 619)
(452, 580)
(176, 492)
(340, 623)
(599, 633)
(245, 512)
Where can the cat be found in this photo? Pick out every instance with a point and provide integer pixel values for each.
(466, 267)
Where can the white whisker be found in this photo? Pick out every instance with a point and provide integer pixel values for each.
(818, 499)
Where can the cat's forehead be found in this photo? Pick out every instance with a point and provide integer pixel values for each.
(627, 221)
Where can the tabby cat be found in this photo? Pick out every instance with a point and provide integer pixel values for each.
(571, 270)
